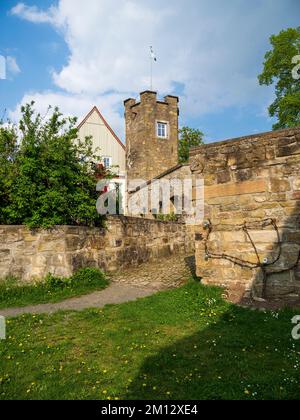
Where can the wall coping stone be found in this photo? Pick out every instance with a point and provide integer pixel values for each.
(256, 137)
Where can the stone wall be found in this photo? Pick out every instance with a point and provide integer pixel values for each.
(251, 179)
(61, 251)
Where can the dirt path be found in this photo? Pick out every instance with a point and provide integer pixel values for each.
(115, 293)
(126, 286)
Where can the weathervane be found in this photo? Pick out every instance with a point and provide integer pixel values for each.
(152, 58)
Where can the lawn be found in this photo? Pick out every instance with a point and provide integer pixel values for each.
(14, 293)
(186, 343)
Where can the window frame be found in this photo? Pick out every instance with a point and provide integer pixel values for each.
(110, 161)
(158, 128)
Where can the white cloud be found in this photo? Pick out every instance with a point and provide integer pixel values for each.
(212, 50)
(33, 14)
(12, 66)
(70, 105)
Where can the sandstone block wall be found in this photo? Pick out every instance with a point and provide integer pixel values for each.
(251, 179)
(64, 249)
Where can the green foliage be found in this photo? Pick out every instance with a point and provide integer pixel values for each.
(188, 137)
(8, 152)
(87, 276)
(47, 175)
(54, 283)
(171, 217)
(83, 277)
(278, 67)
(14, 292)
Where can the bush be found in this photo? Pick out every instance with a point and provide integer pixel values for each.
(83, 277)
(47, 175)
(53, 282)
(88, 276)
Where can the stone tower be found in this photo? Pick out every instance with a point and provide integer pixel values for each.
(151, 135)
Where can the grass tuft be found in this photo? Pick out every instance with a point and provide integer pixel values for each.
(14, 293)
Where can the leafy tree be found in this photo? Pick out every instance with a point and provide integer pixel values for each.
(279, 67)
(53, 174)
(188, 137)
(8, 151)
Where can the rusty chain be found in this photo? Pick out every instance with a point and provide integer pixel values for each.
(248, 264)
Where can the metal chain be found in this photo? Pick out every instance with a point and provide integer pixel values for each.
(248, 264)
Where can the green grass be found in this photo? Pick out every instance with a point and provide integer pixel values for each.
(181, 344)
(14, 293)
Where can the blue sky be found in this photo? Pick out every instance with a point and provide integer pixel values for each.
(209, 53)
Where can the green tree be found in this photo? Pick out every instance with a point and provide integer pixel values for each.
(188, 137)
(53, 174)
(8, 152)
(279, 67)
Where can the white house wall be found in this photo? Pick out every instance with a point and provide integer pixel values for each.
(102, 138)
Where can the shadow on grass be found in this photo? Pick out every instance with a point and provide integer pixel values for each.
(243, 355)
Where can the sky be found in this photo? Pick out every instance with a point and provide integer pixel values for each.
(76, 54)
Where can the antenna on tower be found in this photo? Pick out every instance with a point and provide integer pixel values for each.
(152, 59)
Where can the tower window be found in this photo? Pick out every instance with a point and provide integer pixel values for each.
(107, 161)
(162, 130)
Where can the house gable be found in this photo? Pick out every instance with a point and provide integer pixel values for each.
(93, 118)
(105, 141)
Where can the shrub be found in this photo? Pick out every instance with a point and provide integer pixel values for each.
(47, 175)
(82, 277)
(53, 282)
(88, 276)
